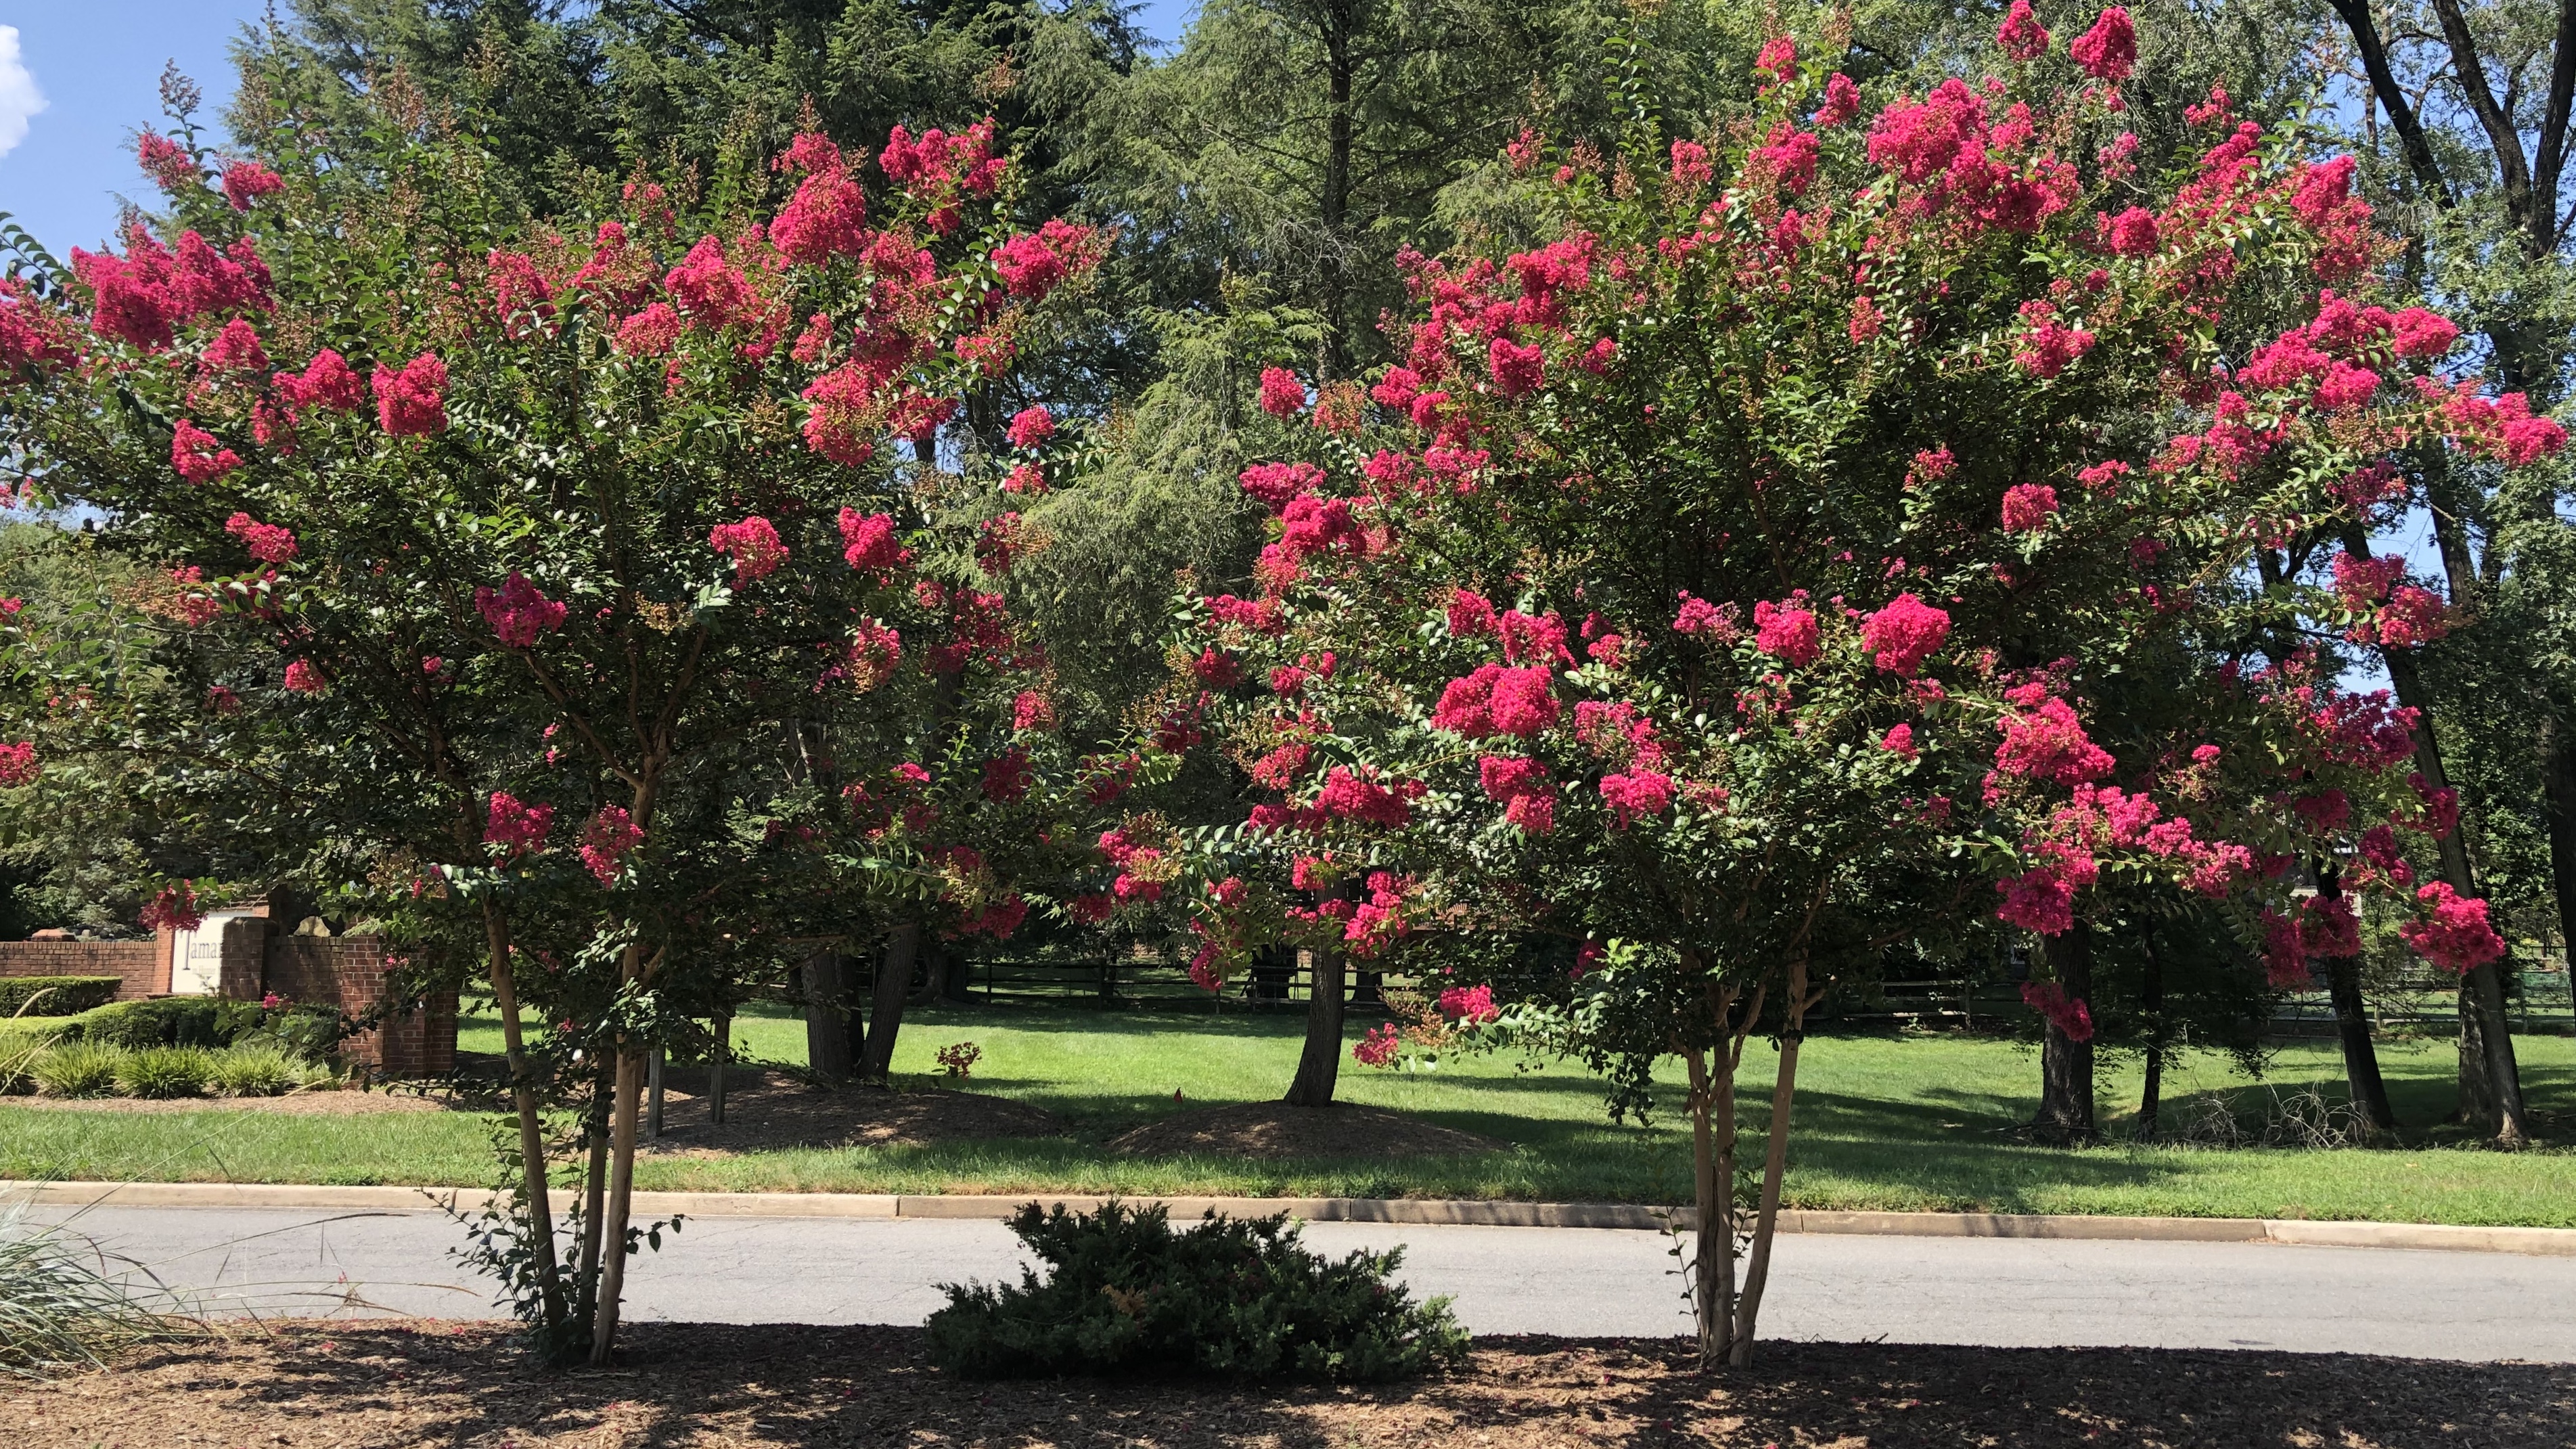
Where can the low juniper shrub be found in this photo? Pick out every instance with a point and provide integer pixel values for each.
(1229, 1298)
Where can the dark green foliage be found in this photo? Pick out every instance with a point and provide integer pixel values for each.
(198, 1021)
(1229, 1298)
(55, 995)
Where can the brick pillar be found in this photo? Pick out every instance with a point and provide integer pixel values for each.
(244, 959)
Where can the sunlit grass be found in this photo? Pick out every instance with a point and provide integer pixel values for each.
(1902, 1123)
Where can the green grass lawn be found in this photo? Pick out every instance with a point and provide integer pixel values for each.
(1904, 1123)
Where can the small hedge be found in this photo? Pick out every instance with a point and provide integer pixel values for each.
(1229, 1298)
(55, 995)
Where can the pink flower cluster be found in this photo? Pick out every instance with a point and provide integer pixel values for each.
(2049, 743)
(1469, 1005)
(1032, 265)
(2456, 935)
(2028, 507)
(752, 544)
(517, 611)
(197, 454)
(140, 297)
(1031, 427)
(1640, 794)
(1902, 635)
(1523, 788)
(2067, 1013)
(605, 842)
(1496, 700)
(413, 401)
(517, 828)
(18, 763)
(1378, 1048)
(2108, 51)
(1788, 631)
(267, 542)
(868, 544)
(827, 217)
(173, 908)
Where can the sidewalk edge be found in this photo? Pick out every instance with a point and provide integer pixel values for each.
(2541, 1242)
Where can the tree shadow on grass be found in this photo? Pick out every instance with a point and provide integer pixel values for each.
(793, 1387)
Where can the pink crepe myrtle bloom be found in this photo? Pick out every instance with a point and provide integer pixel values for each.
(247, 181)
(1379, 1047)
(2028, 507)
(1469, 1005)
(514, 826)
(1638, 795)
(1282, 394)
(752, 544)
(197, 455)
(2021, 35)
(267, 542)
(2108, 51)
(173, 908)
(1787, 631)
(18, 764)
(605, 842)
(303, 678)
(517, 611)
(2455, 935)
(870, 546)
(412, 402)
(1031, 427)
(1902, 635)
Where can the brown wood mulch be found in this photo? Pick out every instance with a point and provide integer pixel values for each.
(360, 1385)
(766, 1109)
(329, 1103)
(1277, 1130)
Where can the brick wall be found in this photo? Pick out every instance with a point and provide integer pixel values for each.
(350, 972)
(141, 965)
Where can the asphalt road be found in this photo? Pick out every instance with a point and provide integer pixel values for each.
(2010, 1292)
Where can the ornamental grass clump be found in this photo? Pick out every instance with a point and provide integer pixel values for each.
(1229, 1298)
(165, 1072)
(77, 1069)
(255, 1071)
(59, 1308)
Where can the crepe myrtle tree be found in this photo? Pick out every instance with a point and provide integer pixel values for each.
(1741, 581)
(590, 583)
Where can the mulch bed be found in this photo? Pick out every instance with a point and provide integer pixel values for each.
(1271, 1130)
(357, 1385)
(330, 1103)
(766, 1109)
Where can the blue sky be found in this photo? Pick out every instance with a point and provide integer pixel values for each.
(86, 75)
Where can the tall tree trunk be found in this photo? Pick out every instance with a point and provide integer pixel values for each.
(621, 1201)
(827, 1016)
(885, 1007)
(2490, 1081)
(532, 1127)
(1712, 1113)
(2558, 776)
(2151, 1005)
(723, 1053)
(2065, 1064)
(1340, 66)
(594, 1191)
(1775, 1166)
(1319, 1065)
(2369, 1094)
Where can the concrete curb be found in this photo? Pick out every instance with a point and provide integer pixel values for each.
(2540, 1242)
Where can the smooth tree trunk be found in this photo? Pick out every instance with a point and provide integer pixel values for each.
(1775, 1168)
(716, 1069)
(653, 1073)
(2367, 1091)
(2151, 1005)
(885, 1008)
(827, 1016)
(1712, 1114)
(1319, 1065)
(620, 1205)
(532, 1127)
(594, 1190)
(2065, 1064)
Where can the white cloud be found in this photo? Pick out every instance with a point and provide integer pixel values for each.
(19, 97)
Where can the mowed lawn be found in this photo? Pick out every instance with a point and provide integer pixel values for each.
(1919, 1122)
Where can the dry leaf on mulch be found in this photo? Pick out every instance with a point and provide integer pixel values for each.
(695, 1386)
